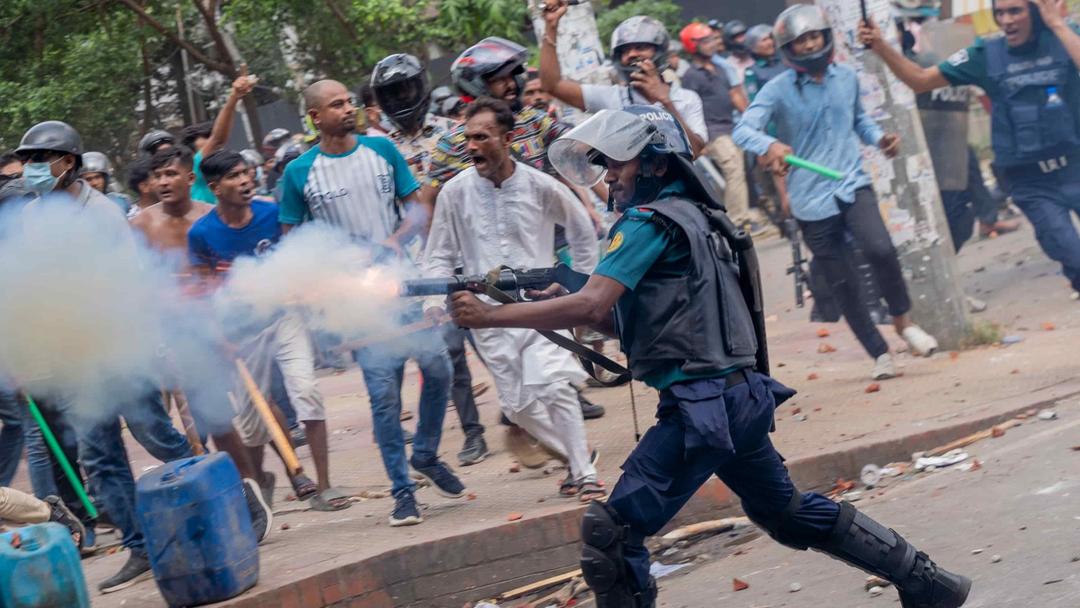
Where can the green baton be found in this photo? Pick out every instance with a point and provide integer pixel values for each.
(802, 163)
(59, 454)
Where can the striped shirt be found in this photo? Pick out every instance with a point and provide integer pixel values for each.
(356, 191)
(533, 133)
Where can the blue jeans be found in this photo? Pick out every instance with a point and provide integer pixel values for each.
(1049, 200)
(11, 437)
(384, 370)
(151, 426)
(705, 428)
(102, 452)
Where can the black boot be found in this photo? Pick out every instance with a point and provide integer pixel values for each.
(867, 545)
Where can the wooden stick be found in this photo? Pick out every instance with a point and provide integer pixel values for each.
(715, 526)
(974, 437)
(178, 399)
(385, 336)
(292, 463)
(538, 585)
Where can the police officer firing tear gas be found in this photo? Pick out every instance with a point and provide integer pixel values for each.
(670, 264)
(1030, 75)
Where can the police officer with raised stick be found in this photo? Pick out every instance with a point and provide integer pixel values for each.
(678, 286)
(1030, 75)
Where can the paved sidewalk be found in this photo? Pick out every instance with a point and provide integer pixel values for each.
(1024, 291)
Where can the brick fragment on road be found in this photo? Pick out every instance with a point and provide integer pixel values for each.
(739, 585)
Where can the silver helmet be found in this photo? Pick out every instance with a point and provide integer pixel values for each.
(640, 29)
(95, 162)
(797, 21)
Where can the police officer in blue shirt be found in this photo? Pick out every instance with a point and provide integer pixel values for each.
(1030, 75)
(674, 292)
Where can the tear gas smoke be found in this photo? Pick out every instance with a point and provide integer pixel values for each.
(91, 316)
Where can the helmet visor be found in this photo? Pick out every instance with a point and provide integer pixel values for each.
(579, 154)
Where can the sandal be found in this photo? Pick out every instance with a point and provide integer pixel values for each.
(589, 491)
(569, 488)
(303, 487)
(330, 499)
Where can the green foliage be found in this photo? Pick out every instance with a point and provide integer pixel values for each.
(463, 22)
(666, 11)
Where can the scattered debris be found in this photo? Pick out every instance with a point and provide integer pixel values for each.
(825, 348)
(715, 526)
(873, 387)
(954, 355)
(514, 516)
(285, 526)
(540, 585)
(1014, 372)
(374, 494)
(875, 581)
(471, 496)
(974, 465)
(802, 417)
(876, 591)
(1075, 448)
(1048, 326)
(739, 585)
(995, 559)
(976, 551)
(772, 319)
(1048, 415)
(796, 410)
(823, 332)
(795, 588)
(841, 486)
(658, 570)
(945, 460)
(812, 376)
(1007, 340)
(515, 468)
(870, 475)
(1053, 581)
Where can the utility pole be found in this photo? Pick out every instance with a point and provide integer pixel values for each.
(581, 52)
(906, 186)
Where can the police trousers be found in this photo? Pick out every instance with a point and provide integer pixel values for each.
(1048, 200)
(706, 428)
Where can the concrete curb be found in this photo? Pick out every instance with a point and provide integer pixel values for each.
(451, 571)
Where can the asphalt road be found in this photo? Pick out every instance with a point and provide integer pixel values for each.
(1023, 505)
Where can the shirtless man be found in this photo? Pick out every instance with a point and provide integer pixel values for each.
(166, 224)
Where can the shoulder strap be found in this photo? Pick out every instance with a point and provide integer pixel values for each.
(996, 57)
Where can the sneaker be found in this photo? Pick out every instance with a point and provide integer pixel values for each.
(405, 511)
(135, 570)
(921, 343)
(262, 518)
(441, 477)
(590, 410)
(298, 436)
(59, 513)
(475, 450)
(884, 368)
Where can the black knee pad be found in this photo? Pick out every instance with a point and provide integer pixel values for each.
(602, 565)
(778, 525)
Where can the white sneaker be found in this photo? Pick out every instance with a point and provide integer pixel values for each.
(884, 368)
(921, 343)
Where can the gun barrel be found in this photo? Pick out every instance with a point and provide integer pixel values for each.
(431, 287)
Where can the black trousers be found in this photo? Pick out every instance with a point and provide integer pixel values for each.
(825, 239)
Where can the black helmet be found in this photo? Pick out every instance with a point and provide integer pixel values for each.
(150, 142)
(640, 29)
(490, 58)
(400, 85)
(794, 22)
(96, 162)
(275, 138)
(51, 135)
(732, 30)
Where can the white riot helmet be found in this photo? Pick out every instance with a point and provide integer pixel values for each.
(796, 21)
(915, 9)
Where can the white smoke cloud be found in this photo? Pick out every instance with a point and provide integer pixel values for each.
(95, 317)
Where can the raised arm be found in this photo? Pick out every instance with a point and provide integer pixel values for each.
(920, 79)
(551, 78)
(1053, 14)
(224, 122)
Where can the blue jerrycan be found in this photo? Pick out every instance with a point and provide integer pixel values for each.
(43, 571)
(198, 530)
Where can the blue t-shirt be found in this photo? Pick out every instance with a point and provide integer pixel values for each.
(212, 243)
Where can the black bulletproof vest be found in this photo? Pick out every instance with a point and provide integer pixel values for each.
(698, 320)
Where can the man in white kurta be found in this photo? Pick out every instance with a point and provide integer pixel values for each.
(502, 212)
